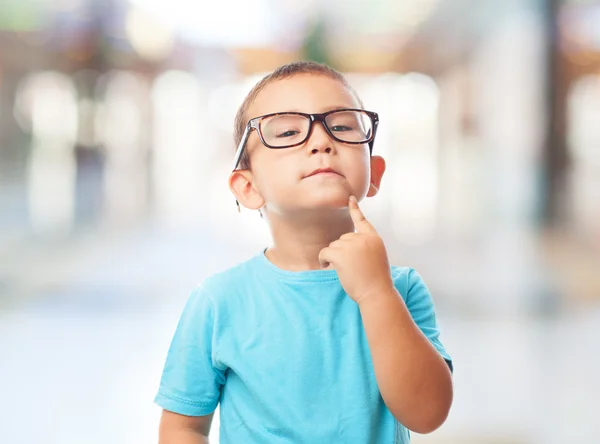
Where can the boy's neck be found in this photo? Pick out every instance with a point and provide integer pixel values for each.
(297, 244)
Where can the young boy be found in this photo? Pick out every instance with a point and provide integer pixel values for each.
(316, 339)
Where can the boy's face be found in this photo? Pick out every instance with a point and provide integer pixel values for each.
(280, 179)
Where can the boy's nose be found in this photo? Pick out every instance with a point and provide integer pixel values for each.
(319, 140)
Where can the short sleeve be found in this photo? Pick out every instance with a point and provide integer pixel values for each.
(190, 383)
(421, 307)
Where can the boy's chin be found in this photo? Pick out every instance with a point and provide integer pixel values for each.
(323, 202)
(328, 202)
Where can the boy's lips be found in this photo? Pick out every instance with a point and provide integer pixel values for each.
(323, 171)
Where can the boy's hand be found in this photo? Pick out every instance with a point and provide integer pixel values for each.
(359, 258)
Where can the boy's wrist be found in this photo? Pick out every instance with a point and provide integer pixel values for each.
(377, 294)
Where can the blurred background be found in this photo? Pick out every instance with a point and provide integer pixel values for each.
(116, 124)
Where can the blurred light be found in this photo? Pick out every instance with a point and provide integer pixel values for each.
(120, 125)
(47, 105)
(408, 105)
(182, 146)
(583, 111)
(419, 104)
(149, 37)
(414, 212)
(51, 190)
(409, 15)
(227, 23)
(583, 138)
(459, 204)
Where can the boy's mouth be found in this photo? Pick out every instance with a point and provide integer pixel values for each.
(328, 171)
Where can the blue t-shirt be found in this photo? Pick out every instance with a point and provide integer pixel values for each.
(286, 356)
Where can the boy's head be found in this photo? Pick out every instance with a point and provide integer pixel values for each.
(280, 153)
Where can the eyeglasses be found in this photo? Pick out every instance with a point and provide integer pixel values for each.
(286, 130)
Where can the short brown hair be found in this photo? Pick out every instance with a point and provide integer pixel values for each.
(283, 72)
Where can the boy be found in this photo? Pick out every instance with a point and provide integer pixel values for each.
(316, 339)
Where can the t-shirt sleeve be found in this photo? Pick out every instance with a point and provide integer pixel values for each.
(421, 307)
(191, 383)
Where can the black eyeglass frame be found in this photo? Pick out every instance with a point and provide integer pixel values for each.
(254, 124)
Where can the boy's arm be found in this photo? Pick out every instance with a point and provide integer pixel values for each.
(190, 385)
(179, 429)
(413, 378)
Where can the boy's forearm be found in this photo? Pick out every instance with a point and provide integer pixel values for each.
(414, 380)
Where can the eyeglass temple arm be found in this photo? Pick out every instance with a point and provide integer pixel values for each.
(372, 142)
(238, 154)
(240, 150)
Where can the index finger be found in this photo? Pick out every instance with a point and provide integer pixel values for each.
(361, 223)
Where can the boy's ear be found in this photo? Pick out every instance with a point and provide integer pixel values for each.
(377, 170)
(240, 184)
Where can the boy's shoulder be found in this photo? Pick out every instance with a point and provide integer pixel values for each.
(217, 285)
(232, 273)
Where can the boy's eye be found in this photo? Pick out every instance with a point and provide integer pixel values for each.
(339, 128)
(287, 133)
(283, 129)
(344, 121)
